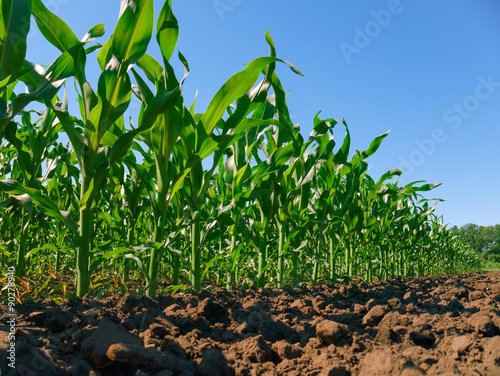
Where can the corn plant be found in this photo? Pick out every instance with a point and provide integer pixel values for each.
(129, 202)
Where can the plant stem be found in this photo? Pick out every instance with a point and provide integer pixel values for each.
(83, 253)
(175, 265)
(261, 282)
(21, 249)
(315, 265)
(126, 262)
(295, 279)
(232, 273)
(154, 263)
(195, 256)
(280, 255)
(333, 256)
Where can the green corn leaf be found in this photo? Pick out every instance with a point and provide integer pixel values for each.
(88, 197)
(118, 251)
(233, 89)
(426, 187)
(68, 124)
(174, 289)
(32, 76)
(136, 259)
(5, 217)
(192, 161)
(168, 123)
(55, 30)
(95, 47)
(225, 219)
(146, 95)
(306, 179)
(374, 145)
(276, 160)
(48, 85)
(269, 41)
(151, 68)
(114, 93)
(44, 285)
(11, 79)
(148, 246)
(186, 66)
(105, 54)
(191, 133)
(208, 147)
(14, 28)
(95, 264)
(242, 174)
(282, 109)
(25, 201)
(108, 218)
(343, 153)
(375, 189)
(147, 180)
(388, 175)
(160, 104)
(167, 30)
(133, 30)
(95, 32)
(23, 156)
(210, 264)
(13, 187)
(62, 68)
(246, 124)
(60, 286)
(89, 100)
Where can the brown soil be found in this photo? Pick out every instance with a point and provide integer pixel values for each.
(429, 326)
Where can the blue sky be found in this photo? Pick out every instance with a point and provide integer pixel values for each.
(428, 71)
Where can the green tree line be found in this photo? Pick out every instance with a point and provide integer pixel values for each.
(485, 240)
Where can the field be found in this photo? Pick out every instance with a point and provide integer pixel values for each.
(163, 210)
(413, 326)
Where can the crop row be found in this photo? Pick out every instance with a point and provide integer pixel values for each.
(234, 195)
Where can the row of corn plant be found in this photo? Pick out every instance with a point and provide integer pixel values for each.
(232, 195)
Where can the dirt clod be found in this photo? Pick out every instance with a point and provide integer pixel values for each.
(330, 332)
(375, 315)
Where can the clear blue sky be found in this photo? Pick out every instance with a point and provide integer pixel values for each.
(427, 70)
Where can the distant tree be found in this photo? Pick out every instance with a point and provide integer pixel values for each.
(485, 240)
(495, 247)
(470, 235)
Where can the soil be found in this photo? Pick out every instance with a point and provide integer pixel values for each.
(425, 326)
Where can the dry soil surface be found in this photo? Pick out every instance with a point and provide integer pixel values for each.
(426, 326)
